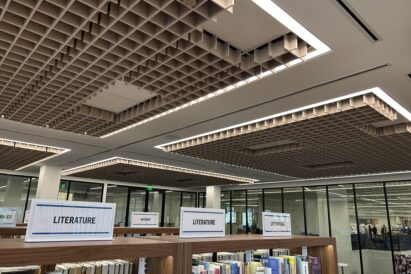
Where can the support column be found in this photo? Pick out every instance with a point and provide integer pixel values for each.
(49, 182)
(213, 197)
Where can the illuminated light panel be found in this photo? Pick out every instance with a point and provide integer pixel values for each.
(36, 147)
(281, 16)
(376, 91)
(120, 160)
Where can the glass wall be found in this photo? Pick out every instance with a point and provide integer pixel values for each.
(172, 208)
(273, 200)
(373, 224)
(240, 218)
(17, 191)
(155, 203)
(255, 208)
(294, 204)
(316, 211)
(343, 226)
(137, 202)
(118, 195)
(189, 199)
(201, 199)
(229, 214)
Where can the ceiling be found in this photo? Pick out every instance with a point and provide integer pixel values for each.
(65, 52)
(357, 62)
(334, 139)
(127, 170)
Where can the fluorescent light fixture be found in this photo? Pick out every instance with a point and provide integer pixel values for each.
(36, 147)
(281, 16)
(376, 90)
(120, 160)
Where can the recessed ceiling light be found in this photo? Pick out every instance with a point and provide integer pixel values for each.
(376, 90)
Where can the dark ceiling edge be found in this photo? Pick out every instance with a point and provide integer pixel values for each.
(360, 22)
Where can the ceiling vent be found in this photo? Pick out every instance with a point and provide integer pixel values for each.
(358, 20)
(341, 164)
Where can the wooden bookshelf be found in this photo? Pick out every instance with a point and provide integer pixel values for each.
(15, 252)
(165, 254)
(17, 232)
(317, 246)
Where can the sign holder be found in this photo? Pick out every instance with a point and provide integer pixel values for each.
(8, 216)
(276, 224)
(54, 220)
(202, 222)
(144, 219)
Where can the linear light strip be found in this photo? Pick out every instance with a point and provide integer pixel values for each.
(376, 90)
(119, 160)
(285, 19)
(35, 147)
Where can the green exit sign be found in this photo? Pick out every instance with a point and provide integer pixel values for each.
(149, 187)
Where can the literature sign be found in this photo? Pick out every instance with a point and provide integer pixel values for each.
(144, 219)
(276, 224)
(202, 222)
(8, 216)
(54, 220)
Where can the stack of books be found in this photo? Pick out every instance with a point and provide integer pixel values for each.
(261, 263)
(97, 267)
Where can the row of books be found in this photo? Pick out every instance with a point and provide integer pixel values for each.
(240, 256)
(260, 263)
(97, 267)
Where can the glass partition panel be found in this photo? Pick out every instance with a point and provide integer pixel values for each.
(32, 193)
(399, 204)
(255, 208)
(137, 202)
(225, 204)
(13, 193)
(273, 200)
(86, 192)
(189, 199)
(239, 223)
(172, 208)
(316, 211)
(344, 227)
(155, 202)
(373, 223)
(118, 195)
(293, 204)
(201, 199)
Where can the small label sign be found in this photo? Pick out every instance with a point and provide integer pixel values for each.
(202, 222)
(8, 217)
(53, 220)
(276, 224)
(144, 219)
(26, 217)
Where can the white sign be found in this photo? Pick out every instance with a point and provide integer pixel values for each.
(276, 224)
(144, 219)
(26, 217)
(202, 222)
(54, 220)
(8, 216)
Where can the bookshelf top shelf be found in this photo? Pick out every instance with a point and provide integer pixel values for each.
(247, 242)
(15, 252)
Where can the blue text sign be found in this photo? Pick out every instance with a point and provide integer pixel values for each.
(53, 220)
(202, 222)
